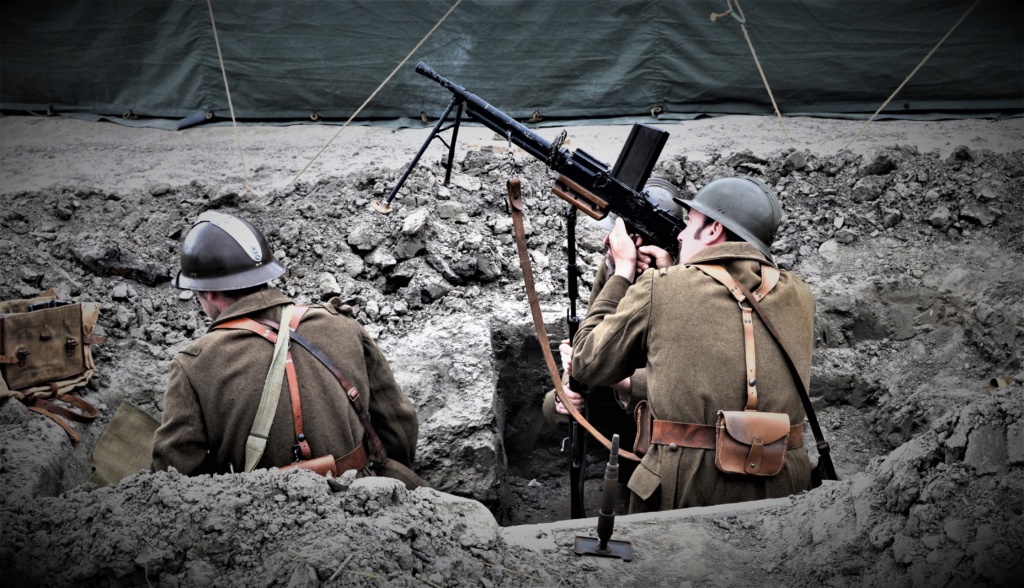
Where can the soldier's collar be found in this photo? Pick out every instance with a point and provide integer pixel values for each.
(729, 251)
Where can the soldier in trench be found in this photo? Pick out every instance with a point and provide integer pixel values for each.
(607, 413)
(217, 382)
(684, 327)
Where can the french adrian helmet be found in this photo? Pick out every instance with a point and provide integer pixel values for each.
(222, 252)
(746, 206)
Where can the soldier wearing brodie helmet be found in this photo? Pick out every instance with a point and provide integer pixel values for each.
(682, 324)
(217, 384)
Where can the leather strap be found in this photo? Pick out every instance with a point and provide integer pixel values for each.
(824, 451)
(515, 198)
(55, 413)
(256, 442)
(302, 450)
(268, 329)
(768, 281)
(703, 436)
(378, 455)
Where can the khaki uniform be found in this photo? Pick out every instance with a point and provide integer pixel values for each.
(216, 384)
(603, 396)
(685, 328)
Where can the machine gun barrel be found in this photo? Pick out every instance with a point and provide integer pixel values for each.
(492, 118)
(585, 182)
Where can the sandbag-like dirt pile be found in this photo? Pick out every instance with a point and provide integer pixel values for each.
(913, 256)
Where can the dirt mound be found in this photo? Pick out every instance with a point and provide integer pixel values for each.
(913, 256)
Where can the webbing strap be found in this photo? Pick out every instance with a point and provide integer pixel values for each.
(256, 444)
(377, 452)
(515, 197)
(302, 449)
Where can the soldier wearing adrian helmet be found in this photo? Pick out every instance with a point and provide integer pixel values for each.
(217, 382)
(684, 327)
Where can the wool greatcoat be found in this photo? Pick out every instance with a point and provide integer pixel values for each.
(605, 399)
(217, 381)
(685, 328)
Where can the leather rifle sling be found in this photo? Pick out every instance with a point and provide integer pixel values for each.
(378, 454)
(824, 451)
(515, 198)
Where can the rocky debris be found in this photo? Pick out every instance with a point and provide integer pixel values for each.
(914, 260)
(112, 260)
(943, 509)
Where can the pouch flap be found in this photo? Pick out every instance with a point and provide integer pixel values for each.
(644, 482)
(744, 426)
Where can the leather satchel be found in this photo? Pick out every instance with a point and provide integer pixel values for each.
(42, 346)
(751, 442)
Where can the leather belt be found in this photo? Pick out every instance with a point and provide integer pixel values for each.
(703, 436)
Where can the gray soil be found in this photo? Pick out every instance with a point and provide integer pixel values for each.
(911, 240)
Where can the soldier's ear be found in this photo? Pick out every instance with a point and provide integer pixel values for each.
(712, 233)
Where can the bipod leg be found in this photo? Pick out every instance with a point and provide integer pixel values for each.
(604, 545)
(451, 148)
(385, 207)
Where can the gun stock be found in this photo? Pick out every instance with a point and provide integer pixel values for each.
(584, 181)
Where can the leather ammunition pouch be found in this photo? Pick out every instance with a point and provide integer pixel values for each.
(354, 460)
(751, 442)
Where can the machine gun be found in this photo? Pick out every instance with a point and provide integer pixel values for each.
(583, 181)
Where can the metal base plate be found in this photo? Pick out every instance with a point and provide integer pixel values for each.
(592, 546)
(381, 207)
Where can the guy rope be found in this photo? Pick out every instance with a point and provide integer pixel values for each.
(382, 84)
(738, 15)
(923, 61)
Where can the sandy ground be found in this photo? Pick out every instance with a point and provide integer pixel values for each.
(40, 152)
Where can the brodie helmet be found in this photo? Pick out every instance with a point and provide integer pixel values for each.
(746, 206)
(223, 252)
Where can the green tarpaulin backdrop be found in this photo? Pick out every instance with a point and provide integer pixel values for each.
(560, 58)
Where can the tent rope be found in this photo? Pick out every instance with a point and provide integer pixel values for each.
(382, 84)
(227, 90)
(923, 61)
(741, 18)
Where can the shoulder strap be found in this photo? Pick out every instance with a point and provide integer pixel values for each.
(280, 365)
(261, 425)
(378, 455)
(256, 444)
(720, 274)
(824, 451)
